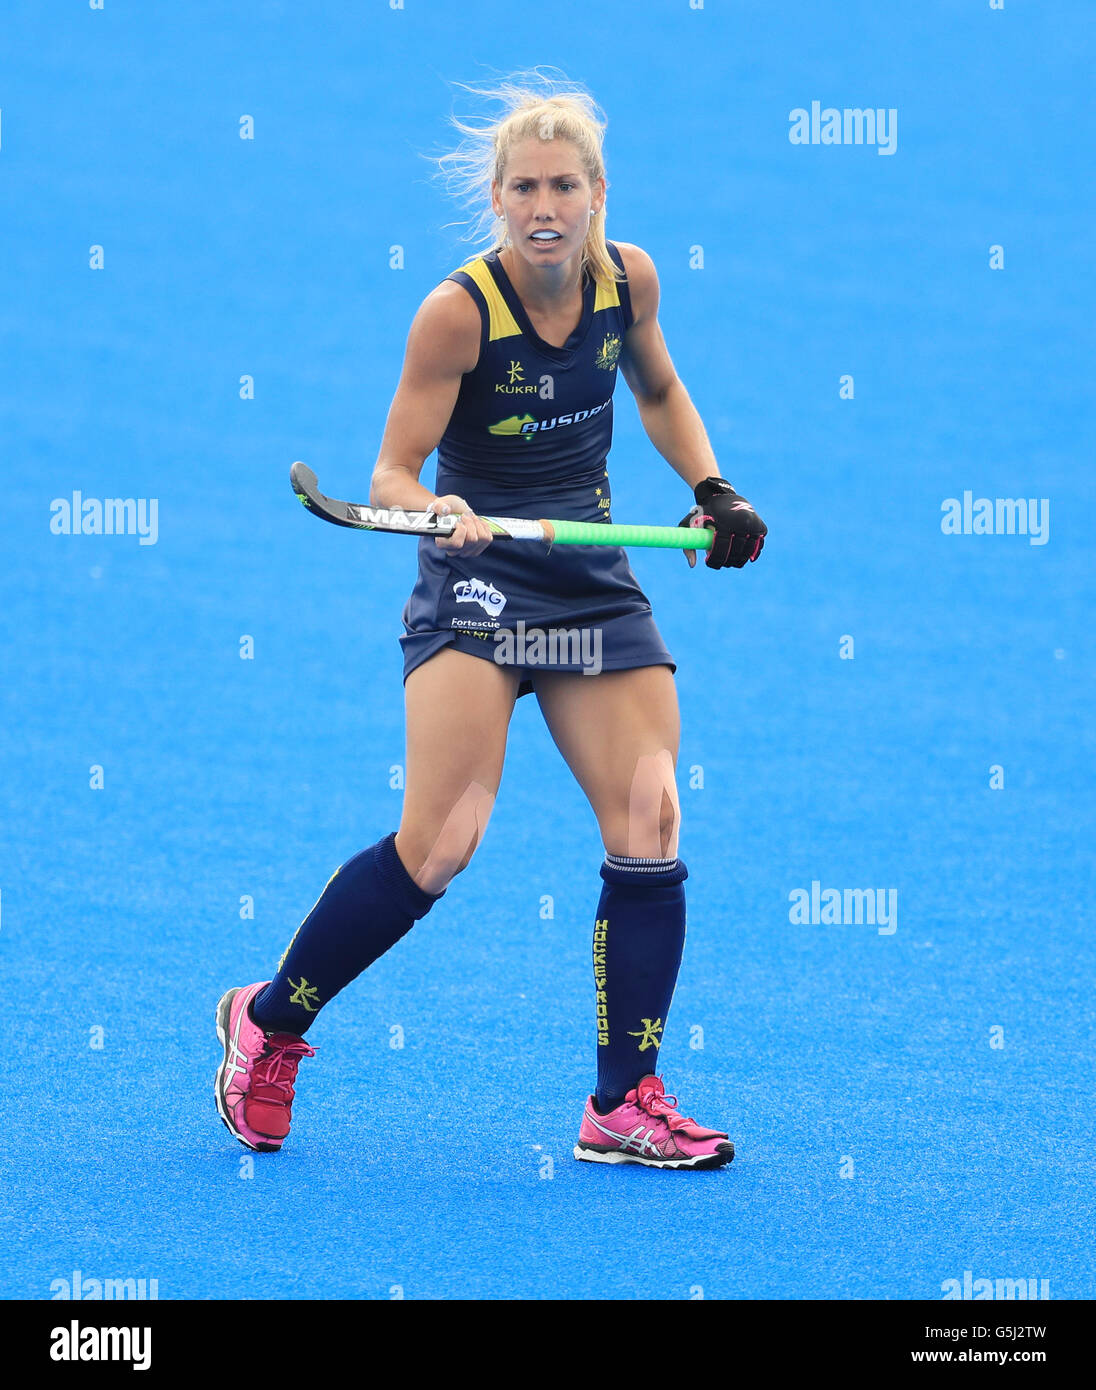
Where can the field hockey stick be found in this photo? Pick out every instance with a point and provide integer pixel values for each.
(504, 528)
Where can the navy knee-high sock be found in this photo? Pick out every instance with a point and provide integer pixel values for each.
(367, 906)
(639, 936)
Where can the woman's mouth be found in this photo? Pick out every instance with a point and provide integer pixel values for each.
(544, 237)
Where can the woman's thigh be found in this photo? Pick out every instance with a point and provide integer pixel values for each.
(618, 732)
(458, 712)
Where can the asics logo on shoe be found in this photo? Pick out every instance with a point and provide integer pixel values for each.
(233, 1061)
(638, 1142)
(236, 1055)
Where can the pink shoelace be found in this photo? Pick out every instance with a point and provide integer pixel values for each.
(661, 1106)
(275, 1070)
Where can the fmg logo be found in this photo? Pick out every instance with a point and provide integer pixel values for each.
(490, 599)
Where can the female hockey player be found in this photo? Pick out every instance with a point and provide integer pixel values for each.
(509, 373)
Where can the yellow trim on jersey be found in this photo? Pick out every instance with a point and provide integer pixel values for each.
(501, 323)
(607, 297)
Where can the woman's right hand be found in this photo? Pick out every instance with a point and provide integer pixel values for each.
(470, 536)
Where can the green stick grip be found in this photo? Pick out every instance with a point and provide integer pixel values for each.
(609, 533)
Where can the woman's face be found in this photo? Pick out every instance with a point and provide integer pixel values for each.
(546, 198)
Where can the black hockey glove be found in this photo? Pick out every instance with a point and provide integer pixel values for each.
(739, 531)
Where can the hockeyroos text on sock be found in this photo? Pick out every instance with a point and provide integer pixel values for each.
(106, 516)
(550, 646)
(997, 516)
(849, 907)
(829, 125)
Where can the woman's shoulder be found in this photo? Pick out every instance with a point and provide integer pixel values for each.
(634, 257)
(449, 302)
(642, 276)
(449, 322)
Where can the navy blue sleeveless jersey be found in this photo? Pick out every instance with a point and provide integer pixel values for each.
(529, 437)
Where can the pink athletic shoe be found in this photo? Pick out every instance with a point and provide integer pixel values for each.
(646, 1128)
(254, 1084)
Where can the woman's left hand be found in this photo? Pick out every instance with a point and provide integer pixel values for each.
(739, 531)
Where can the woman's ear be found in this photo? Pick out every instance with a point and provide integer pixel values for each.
(597, 203)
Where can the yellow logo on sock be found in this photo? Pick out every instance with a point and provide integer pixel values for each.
(303, 993)
(647, 1036)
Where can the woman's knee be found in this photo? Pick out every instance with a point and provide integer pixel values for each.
(645, 819)
(432, 853)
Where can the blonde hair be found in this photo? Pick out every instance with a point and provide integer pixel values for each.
(542, 104)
